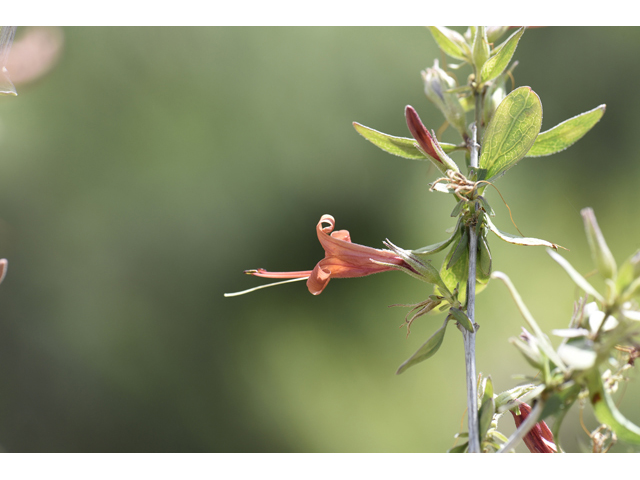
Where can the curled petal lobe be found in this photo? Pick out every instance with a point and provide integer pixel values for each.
(343, 259)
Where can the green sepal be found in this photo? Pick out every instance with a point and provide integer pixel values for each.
(459, 448)
(606, 411)
(565, 134)
(485, 206)
(458, 208)
(451, 42)
(461, 247)
(575, 276)
(427, 350)
(511, 132)
(462, 319)
(499, 61)
(458, 272)
(484, 255)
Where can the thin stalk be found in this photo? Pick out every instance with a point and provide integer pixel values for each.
(470, 338)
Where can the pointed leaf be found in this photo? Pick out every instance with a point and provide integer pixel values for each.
(430, 347)
(499, 61)
(400, 146)
(511, 131)
(565, 134)
(575, 276)
(516, 240)
(450, 42)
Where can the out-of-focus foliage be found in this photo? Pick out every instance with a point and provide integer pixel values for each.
(152, 165)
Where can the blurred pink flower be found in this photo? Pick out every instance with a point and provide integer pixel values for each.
(3, 269)
(34, 53)
(343, 259)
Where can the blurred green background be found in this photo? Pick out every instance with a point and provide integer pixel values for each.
(152, 166)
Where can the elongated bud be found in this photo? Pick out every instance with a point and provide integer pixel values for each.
(599, 250)
(428, 142)
(437, 86)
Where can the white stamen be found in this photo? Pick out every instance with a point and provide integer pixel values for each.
(235, 294)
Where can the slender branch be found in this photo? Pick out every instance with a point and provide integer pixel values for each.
(523, 429)
(470, 338)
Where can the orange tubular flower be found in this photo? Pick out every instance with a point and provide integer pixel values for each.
(343, 259)
(539, 439)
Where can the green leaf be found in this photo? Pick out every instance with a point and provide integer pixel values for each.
(451, 42)
(499, 61)
(400, 146)
(606, 411)
(430, 347)
(575, 276)
(565, 134)
(511, 131)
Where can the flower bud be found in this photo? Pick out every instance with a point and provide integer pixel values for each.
(437, 86)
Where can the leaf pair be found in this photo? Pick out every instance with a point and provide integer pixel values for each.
(512, 134)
